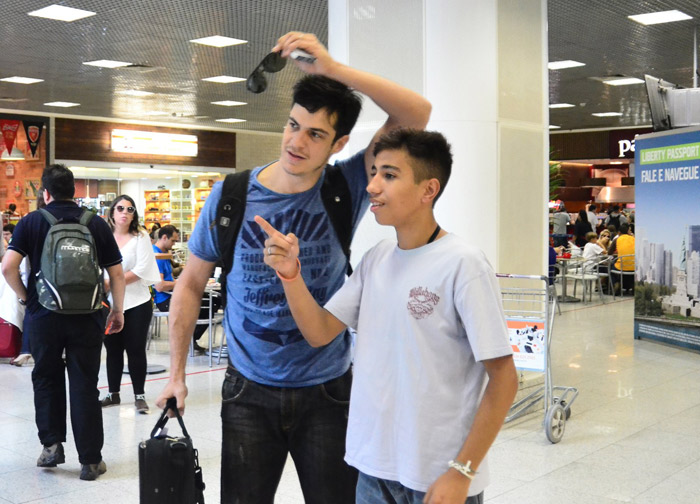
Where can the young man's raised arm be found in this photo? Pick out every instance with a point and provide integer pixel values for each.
(184, 310)
(406, 108)
(316, 324)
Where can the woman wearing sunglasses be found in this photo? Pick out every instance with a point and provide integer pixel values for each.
(140, 271)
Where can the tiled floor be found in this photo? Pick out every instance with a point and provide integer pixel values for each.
(633, 435)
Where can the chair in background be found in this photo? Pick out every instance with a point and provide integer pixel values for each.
(623, 273)
(588, 273)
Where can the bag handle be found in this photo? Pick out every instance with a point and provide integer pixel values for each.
(172, 405)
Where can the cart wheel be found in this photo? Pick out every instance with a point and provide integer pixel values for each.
(554, 423)
(567, 408)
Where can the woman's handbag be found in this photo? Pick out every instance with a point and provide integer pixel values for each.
(169, 469)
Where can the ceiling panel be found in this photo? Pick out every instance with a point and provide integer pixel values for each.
(156, 34)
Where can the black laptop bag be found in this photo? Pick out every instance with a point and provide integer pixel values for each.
(169, 469)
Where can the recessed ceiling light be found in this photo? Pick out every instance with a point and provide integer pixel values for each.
(107, 63)
(558, 65)
(552, 126)
(660, 17)
(561, 105)
(224, 79)
(135, 92)
(607, 114)
(228, 103)
(61, 13)
(61, 104)
(21, 80)
(616, 162)
(219, 41)
(230, 120)
(623, 81)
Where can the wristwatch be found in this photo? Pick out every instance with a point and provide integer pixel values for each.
(22, 302)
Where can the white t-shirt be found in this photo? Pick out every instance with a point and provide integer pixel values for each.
(591, 250)
(424, 318)
(138, 257)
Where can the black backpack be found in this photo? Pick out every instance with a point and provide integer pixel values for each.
(335, 195)
(615, 221)
(70, 278)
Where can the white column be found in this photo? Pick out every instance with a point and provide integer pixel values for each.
(482, 64)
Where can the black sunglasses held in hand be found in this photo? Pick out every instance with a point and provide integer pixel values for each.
(272, 63)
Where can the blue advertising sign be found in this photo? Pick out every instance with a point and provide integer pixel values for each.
(667, 234)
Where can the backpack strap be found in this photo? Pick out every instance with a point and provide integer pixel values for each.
(86, 217)
(229, 217)
(337, 200)
(48, 216)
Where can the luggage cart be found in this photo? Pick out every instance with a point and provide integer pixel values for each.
(530, 317)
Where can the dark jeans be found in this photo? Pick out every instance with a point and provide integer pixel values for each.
(132, 339)
(560, 240)
(81, 337)
(199, 329)
(371, 490)
(262, 424)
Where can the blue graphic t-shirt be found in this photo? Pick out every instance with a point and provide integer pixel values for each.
(166, 268)
(264, 343)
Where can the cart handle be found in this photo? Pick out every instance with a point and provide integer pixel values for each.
(528, 277)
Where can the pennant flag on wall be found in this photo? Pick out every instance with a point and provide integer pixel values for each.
(9, 129)
(33, 129)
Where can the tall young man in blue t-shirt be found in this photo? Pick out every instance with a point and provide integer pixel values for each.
(280, 395)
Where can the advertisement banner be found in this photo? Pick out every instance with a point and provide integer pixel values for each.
(9, 129)
(33, 129)
(528, 342)
(667, 246)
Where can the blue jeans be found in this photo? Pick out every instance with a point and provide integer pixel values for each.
(371, 490)
(262, 424)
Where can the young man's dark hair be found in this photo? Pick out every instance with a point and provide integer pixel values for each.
(592, 207)
(59, 181)
(9, 227)
(429, 148)
(168, 231)
(624, 228)
(343, 105)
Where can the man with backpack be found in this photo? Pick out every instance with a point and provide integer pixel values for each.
(281, 396)
(616, 218)
(67, 248)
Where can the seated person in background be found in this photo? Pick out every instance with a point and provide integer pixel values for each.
(613, 238)
(604, 239)
(459, 379)
(153, 233)
(581, 227)
(7, 231)
(168, 236)
(624, 246)
(592, 249)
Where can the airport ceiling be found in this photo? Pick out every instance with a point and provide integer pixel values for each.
(154, 37)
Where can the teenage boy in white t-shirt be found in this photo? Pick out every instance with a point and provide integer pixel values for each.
(430, 331)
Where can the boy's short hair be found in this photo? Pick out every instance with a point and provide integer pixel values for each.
(316, 92)
(430, 150)
(59, 181)
(168, 231)
(590, 236)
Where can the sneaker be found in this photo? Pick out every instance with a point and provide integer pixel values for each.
(141, 406)
(51, 456)
(90, 472)
(111, 399)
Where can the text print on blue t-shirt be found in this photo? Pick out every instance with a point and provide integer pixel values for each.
(262, 291)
